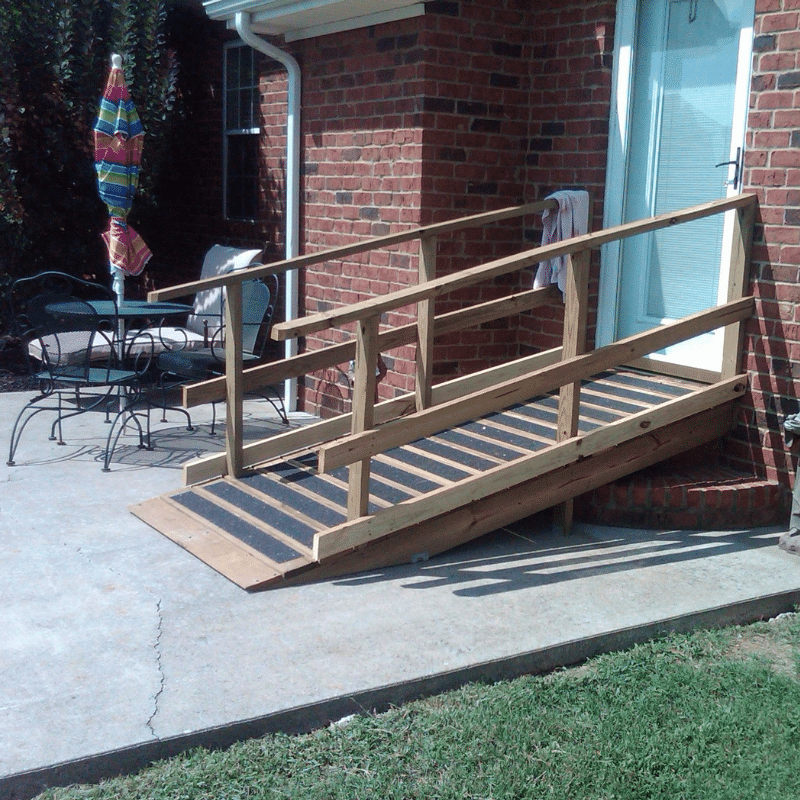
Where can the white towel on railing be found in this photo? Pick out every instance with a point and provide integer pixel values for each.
(571, 219)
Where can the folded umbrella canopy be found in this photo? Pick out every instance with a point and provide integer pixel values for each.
(118, 139)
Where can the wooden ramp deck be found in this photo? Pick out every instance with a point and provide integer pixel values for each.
(284, 521)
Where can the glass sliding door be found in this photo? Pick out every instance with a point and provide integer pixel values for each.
(685, 85)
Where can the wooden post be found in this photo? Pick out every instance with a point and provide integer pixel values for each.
(576, 311)
(233, 378)
(425, 315)
(738, 278)
(363, 411)
(576, 303)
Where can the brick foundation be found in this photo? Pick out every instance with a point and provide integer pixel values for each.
(694, 498)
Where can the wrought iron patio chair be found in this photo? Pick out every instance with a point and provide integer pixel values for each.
(205, 317)
(78, 365)
(178, 367)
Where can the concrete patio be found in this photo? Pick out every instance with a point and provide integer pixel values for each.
(120, 648)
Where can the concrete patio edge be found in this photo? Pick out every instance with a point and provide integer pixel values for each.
(302, 719)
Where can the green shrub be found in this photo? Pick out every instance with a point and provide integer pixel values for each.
(54, 64)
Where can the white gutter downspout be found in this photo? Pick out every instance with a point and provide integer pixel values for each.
(246, 34)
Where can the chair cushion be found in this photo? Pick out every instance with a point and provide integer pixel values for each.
(207, 306)
(69, 347)
(168, 337)
(148, 341)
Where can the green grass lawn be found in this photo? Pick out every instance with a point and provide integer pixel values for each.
(708, 715)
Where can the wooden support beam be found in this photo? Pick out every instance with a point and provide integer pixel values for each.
(363, 414)
(493, 482)
(503, 395)
(425, 324)
(738, 279)
(576, 313)
(233, 379)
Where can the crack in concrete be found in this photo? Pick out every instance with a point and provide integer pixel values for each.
(156, 645)
(162, 677)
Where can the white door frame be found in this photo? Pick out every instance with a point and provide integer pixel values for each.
(618, 137)
(618, 150)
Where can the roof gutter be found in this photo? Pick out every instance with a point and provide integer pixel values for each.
(242, 22)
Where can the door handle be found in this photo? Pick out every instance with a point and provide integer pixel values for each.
(738, 167)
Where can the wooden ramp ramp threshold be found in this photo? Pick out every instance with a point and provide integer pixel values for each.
(284, 522)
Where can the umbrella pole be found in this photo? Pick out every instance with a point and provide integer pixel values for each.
(118, 283)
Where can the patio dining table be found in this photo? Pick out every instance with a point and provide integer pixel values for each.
(134, 314)
(138, 309)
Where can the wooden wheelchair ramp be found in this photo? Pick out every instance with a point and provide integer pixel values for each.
(402, 479)
(284, 522)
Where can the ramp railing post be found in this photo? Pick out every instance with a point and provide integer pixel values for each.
(233, 379)
(576, 312)
(738, 278)
(425, 316)
(363, 411)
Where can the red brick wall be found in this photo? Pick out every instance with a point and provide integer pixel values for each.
(362, 172)
(433, 118)
(477, 105)
(498, 132)
(772, 342)
(416, 121)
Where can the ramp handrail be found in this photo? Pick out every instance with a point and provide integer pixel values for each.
(468, 277)
(363, 246)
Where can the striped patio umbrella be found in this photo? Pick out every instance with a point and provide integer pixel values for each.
(118, 139)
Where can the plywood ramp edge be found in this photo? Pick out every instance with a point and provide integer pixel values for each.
(239, 566)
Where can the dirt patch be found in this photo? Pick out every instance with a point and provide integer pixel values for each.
(771, 643)
(769, 648)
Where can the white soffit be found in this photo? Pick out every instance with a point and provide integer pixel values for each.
(301, 19)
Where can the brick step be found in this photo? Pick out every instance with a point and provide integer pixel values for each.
(694, 498)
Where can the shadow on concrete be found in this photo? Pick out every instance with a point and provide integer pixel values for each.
(172, 445)
(517, 557)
